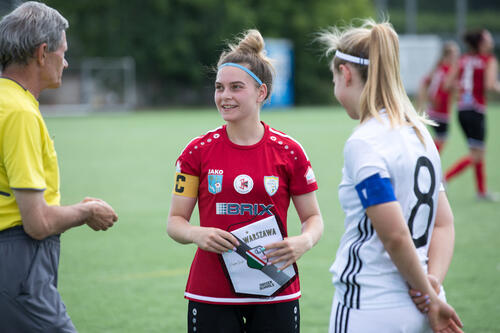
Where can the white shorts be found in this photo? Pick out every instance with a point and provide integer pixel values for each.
(403, 319)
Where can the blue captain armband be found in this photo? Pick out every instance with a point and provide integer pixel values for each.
(375, 190)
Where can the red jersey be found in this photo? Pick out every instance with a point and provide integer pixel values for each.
(439, 105)
(242, 184)
(472, 94)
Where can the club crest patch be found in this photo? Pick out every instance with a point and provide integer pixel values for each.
(256, 258)
(271, 184)
(309, 175)
(243, 184)
(215, 180)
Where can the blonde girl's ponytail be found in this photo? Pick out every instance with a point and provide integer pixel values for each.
(384, 88)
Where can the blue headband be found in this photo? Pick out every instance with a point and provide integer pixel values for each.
(232, 64)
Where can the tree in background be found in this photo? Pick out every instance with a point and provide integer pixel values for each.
(175, 43)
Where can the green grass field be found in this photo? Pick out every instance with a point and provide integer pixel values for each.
(132, 277)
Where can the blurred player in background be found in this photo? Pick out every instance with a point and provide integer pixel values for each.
(477, 73)
(438, 95)
(243, 174)
(390, 193)
(32, 47)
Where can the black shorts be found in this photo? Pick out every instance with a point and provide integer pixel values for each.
(473, 126)
(29, 300)
(441, 130)
(272, 318)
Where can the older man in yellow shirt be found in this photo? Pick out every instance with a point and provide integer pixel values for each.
(32, 48)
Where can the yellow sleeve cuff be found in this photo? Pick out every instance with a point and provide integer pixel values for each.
(186, 185)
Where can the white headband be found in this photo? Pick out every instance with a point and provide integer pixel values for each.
(350, 58)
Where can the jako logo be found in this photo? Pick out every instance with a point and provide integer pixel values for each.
(225, 208)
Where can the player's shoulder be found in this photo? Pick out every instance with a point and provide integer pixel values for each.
(371, 129)
(281, 140)
(440, 70)
(488, 58)
(211, 137)
(374, 135)
(445, 68)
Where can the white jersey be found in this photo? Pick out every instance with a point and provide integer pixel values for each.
(363, 273)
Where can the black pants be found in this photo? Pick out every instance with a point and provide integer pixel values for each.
(258, 318)
(473, 126)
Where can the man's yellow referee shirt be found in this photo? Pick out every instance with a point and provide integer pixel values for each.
(28, 159)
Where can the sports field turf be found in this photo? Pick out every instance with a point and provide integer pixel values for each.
(132, 277)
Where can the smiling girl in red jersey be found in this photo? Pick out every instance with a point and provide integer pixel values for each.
(242, 175)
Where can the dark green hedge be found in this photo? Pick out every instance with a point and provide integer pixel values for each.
(175, 42)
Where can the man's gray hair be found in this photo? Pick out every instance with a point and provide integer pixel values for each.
(26, 28)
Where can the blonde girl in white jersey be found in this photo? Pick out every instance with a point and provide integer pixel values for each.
(397, 217)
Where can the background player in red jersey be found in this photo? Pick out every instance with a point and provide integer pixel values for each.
(242, 175)
(477, 73)
(437, 95)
